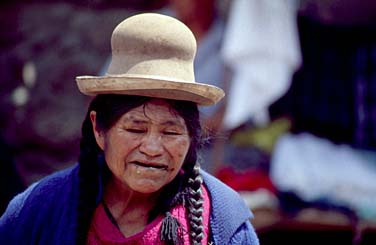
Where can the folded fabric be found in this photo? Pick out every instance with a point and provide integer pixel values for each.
(315, 168)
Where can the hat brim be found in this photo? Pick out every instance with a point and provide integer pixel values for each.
(202, 94)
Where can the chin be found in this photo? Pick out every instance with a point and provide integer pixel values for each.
(147, 189)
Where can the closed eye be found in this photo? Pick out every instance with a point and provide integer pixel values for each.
(171, 133)
(135, 131)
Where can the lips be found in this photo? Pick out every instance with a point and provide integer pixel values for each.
(150, 165)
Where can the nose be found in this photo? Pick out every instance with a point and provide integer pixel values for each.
(151, 145)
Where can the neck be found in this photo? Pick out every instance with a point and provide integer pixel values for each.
(130, 209)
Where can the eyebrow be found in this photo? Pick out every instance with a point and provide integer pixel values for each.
(133, 119)
(172, 123)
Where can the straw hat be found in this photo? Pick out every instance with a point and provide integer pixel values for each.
(152, 55)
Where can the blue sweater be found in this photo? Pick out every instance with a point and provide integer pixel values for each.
(45, 213)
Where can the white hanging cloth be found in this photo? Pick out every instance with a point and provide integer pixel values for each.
(261, 45)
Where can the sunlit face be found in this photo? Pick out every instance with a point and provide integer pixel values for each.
(146, 147)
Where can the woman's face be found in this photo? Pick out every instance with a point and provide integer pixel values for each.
(146, 147)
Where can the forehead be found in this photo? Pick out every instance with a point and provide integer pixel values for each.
(156, 110)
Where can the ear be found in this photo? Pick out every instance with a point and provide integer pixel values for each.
(99, 137)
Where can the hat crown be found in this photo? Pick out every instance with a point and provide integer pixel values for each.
(152, 55)
(153, 45)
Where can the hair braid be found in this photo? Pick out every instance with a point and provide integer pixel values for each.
(190, 195)
(195, 205)
(88, 181)
(193, 185)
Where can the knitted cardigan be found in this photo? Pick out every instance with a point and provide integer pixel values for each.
(45, 213)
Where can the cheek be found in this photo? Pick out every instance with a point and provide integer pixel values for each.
(180, 148)
(116, 151)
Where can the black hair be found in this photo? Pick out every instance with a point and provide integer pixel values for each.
(184, 189)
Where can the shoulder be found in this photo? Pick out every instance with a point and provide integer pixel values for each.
(245, 235)
(230, 217)
(49, 185)
(223, 195)
(52, 185)
(36, 202)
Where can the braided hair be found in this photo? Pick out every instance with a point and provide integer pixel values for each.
(185, 189)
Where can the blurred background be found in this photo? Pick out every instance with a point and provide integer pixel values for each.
(295, 136)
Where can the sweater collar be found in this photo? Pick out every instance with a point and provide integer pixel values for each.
(228, 210)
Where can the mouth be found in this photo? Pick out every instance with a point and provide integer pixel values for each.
(150, 165)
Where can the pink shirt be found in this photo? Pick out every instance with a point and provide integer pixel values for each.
(103, 231)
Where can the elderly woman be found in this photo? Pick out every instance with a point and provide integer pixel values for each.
(138, 178)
